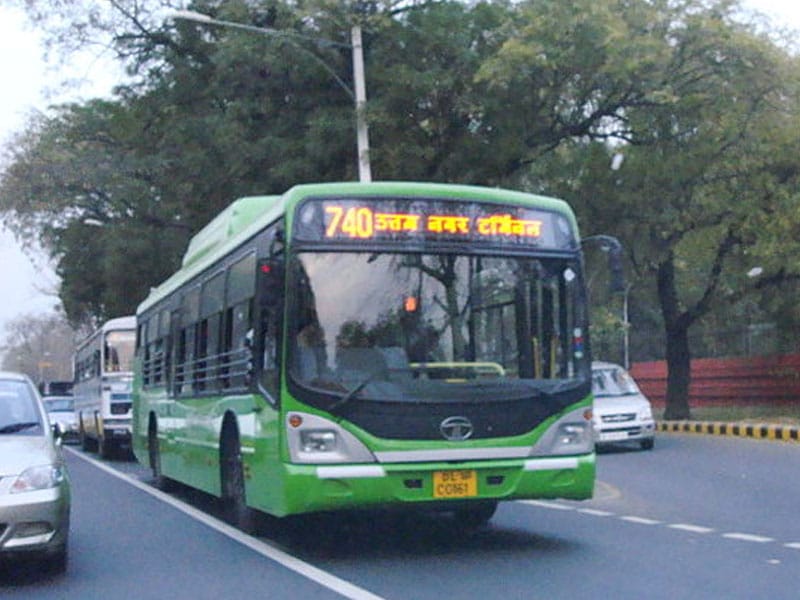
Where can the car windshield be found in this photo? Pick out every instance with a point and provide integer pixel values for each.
(406, 327)
(18, 411)
(58, 404)
(612, 382)
(119, 351)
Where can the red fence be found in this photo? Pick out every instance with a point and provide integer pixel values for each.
(747, 380)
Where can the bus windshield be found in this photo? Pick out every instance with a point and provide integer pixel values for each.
(119, 350)
(422, 327)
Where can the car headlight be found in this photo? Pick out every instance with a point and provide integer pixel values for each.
(38, 478)
(646, 414)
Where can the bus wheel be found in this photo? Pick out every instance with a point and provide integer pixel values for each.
(104, 449)
(154, 458)
(476, 515)
(83, 438)
(87, 443)
(234, 504)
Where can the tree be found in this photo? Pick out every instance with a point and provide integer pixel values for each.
(78, 182)
(706, 182)
(538, 95)
(39, 346)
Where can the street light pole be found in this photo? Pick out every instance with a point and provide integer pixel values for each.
(362, 135)
(360, 94)
(626, 346)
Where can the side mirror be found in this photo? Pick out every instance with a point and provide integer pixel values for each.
(58, 433)
(271, 273)
(613, 247)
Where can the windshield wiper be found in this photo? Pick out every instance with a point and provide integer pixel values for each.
(15, 427)
(352, 393)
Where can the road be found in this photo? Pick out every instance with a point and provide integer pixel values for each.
(698, 517)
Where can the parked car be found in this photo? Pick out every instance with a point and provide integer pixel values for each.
(621, 412)
(61, 410)
(34, 483)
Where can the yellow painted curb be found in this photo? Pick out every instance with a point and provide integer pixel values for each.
(761, 431)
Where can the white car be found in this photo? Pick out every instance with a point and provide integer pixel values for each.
(34, 484)
(61, 410)
(621, 412)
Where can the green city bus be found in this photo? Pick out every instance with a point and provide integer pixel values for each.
(358, 345)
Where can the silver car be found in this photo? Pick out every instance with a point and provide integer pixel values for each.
(621, 412)
(61, 411)
(34, 484)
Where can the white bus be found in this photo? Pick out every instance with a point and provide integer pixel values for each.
(103, 371)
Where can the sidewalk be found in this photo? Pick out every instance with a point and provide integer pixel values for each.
(753, 430)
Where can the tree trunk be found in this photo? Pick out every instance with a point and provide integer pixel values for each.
(676, 328)
(679, 373)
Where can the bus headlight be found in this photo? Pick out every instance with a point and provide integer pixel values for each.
(571, 434)
(316, 440)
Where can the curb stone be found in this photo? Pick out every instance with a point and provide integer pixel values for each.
(760, 431)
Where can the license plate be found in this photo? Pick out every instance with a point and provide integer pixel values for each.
(455, 484)
(614, 436)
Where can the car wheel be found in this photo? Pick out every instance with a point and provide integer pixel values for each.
(647, 444)
(56, 562)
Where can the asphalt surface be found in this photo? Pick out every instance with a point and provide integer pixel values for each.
(699, 516)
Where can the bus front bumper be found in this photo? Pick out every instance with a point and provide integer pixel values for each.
(312, 488)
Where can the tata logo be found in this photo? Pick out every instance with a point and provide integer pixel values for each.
(456, 429)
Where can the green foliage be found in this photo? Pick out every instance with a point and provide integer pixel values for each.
(39, 346)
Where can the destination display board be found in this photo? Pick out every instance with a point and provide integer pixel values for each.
(361, 220)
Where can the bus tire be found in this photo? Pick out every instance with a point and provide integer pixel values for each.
(234, 502)
(154, 458)
(104, 448)
(87, 443)
(476, 515)
(84, 439)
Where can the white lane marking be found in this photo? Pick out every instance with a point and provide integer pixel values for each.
(595, 513)
(323, 578)
(640, 520)
(748, 537)
(745, 537)
(606, 491)
(544, 504)
(793, 545)
(691, 528)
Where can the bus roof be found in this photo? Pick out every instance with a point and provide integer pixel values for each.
(127, 322)
(116, 324)
(246, 216)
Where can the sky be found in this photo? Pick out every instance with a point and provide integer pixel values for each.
(29, 285)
